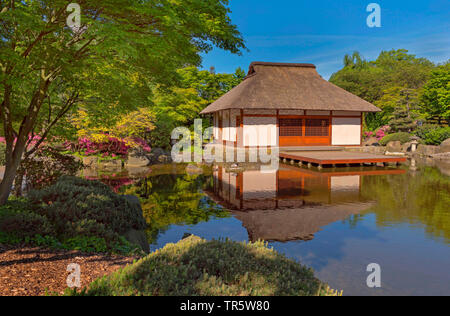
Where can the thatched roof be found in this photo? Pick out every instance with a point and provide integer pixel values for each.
(288, 87)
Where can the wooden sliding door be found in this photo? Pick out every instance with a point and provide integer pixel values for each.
(305, 131)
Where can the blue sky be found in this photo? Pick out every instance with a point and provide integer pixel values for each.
(322, 32)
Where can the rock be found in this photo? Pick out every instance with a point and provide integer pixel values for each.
(91, 173)
(373, 149)
(111, 165)
(138, 172)
(445, 146)
(186, 235)
(137, 237)
(371, 141)
(427, 150)
(406, 147)
(164, 159)
(442, 156)
(394, 146)
(159, 155)
(90, 161)
(134, 200)
(193, 169)
(394, 154)
(134, 161)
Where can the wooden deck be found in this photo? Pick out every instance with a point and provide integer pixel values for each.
(333, 158)
(311, 148)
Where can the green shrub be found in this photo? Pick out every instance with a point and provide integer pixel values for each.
(2, 154)
(402, 137)
(72, 214)
(24, 224)
(194, 267)
(78, 207)
(423, 130)
(18, 224)
(434, 136)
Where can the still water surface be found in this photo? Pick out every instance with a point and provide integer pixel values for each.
(336, 222)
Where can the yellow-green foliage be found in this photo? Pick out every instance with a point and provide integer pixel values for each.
(136, 124)
(195, 266)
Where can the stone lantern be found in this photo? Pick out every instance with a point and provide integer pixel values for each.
(414, 143)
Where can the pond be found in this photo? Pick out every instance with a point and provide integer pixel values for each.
(335, 221)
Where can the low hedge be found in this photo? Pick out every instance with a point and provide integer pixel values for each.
(72, 214)
(402, 137)
(195, 267)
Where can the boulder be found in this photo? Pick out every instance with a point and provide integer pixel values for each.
(445, 146)
(388, 153)
(394, 146)
(373, 149)
(90, 161)
(134, 161)
(193, 169)
(137, 172)
(427, 150)
(111, 165)
(159, 155)
(137, 237)
(406, 147)
(371, 141)
(442, 156)
(165, 159)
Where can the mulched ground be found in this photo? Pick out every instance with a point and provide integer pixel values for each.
(36, 271)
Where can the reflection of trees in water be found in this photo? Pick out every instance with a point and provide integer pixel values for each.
(420, 198)
(354, 220)
(174, 199)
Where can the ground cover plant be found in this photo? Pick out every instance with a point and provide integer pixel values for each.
(195, 266)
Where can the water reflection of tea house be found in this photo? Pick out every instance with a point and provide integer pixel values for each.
(290, 203)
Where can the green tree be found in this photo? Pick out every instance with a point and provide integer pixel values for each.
(382, 80)
(435, 99)
(400, 108)
(42, 58)
(180, 105)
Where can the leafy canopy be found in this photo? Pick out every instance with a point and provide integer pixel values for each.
(387, 82)
(436, 93)
(121, 51)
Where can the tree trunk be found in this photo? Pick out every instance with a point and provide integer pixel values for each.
(15, 152)
(10, 173)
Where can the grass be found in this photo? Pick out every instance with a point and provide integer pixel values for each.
(196, 267)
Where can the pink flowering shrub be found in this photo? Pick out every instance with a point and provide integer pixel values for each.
(31, 140)
(382, 131)
(111, 147)
(367, 135)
